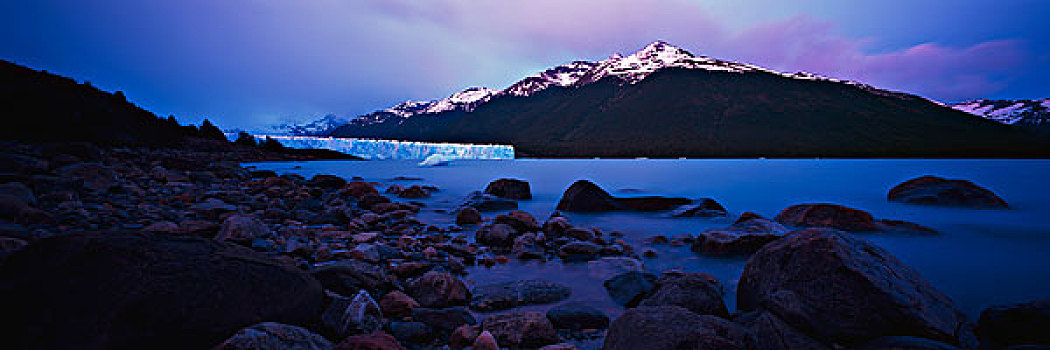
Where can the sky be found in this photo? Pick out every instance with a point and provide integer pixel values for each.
(251, 63)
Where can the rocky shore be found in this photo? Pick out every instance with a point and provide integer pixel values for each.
(175, 248)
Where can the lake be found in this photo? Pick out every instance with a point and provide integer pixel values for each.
(980, 258)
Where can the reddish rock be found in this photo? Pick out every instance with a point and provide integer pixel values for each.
(464, 336)
(933, 190)
(509, 188)
(519, 220)
(585, 196)
(827, 215)
(414, 192)
(359, 189)
(373, 341)
(242, 228)
(397, 304)
(749, 233)
(468, 216)
(522, 329)
(439, 289)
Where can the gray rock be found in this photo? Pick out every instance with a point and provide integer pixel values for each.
(438, 290)
(629, 289)
(486, 202)
(933, 190)
(444, 321)
(508, 295)
(523, 329)
(359, 315)
(347, 277)
(1015, 325)
(577, 316)
(509, 188)
(772, 333)
(745, 236)
(242, 228)
(693, 292)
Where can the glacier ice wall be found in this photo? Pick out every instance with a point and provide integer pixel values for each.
(393, 149)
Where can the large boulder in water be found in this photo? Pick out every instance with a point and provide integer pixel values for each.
(274, 336)
(745, 236)
(933, 190)
(695, 292)
(521, 329)
(509, 188)
(842, 289)
(92, 291)
(438, 289)
(1015, 325)
(508, 295)
(827, 215)
(673, 327)
(585, 196)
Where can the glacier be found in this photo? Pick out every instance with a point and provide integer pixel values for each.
(394, 149)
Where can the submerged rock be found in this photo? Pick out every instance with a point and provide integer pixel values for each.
(827, 215)
(486, 202)
(840, 288)
(703, 207)
(628, 289)
(577, 316)
(510, 189)
(1015, 325)
(672, 327)
(745, 236)
(585, 196)
(137, 291)
(694, 292)
(933, 190)
(274, 336)
(468, 216)
(508, 295)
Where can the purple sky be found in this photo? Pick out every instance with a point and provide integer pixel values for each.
(245, 63)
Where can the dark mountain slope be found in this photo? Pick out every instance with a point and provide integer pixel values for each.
(699, 113)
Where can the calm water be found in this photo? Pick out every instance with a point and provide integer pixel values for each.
(980, 258)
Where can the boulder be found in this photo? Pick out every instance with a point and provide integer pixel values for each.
(414, 192)
(373, 341)
(610, 266)
(242, 228)
(629, 289)
(510, 189)
(519, 220)
(18, 190)
(485, 341)
(274, 336)
(438, 290)
(90, 291)
(411, 332)
(96, 177)
(468, 216)
(843, 289)
(585, 196)
(579, 251)
(772, 333)
(11, 207)
(359, 315)
(905, 343)
(347, 277)
(508, 295)
(827, 215)
(397, 304)
(1015, 325)
(933, 190)
(464, 336)
(487, 202)
(522, 329)
(745, 236)
(693, 292)
(328, 182)
(703, 207)
(577, 316)
(359, 189)
(672, 327)
(500, 236)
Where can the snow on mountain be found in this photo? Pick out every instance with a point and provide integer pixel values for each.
(464, 100)
(317, 127)
(1014, 112)
(564, 76)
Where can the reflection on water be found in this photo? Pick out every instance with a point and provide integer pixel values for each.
(980, 258)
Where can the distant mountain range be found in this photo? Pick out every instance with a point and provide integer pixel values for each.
(1034, 114)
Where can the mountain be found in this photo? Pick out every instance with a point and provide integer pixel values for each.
(321, 126)
(1034, 114)
(663, 101)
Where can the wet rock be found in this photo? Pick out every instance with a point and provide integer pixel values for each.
(651, 203)
(703, 207)
(903, 226)
(840, 288)
(347, 277)
(444, 321)
(96, 177)
(438, 290)
(519, 220)
(359, 315)
(526, 247)
(468, 216)
(933, 190)
(485, 341)
(745, 236)
(496, 235)
(20, 191)
(577, 316)
(371, 201)
(608, 267)
(242, 228)
(672, 327)
(373, 341)
(579, 234)
(556, 225)
(329, 182)
(510, 189)
(414, 191)
(772, 333)
(397, 304)
(905, 343)
(274, 336)
(579, 251)
(508, 295)
(359, 189)
(585, 196)
(411, 332)
(629, 289)
(1015, 325)
(693, 292)
(486, 202)
(213, 207)
(522, 329)
(827, 215)
(136, 291)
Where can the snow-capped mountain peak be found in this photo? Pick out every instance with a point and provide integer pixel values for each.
(464, 100)
(1019, 112)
